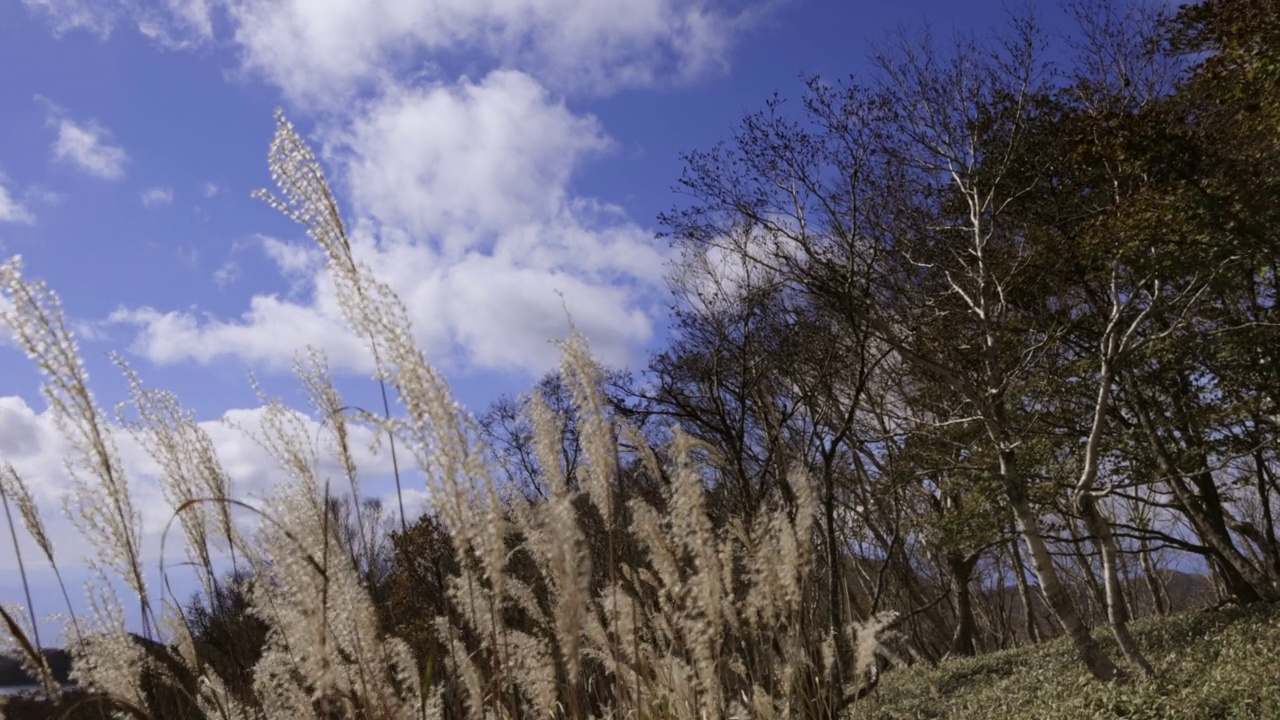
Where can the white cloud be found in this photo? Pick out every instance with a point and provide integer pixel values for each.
(269, 334)
(211, 189)
(172, 23)
(715, 278)
(92, 16)
(461, 202)
(180, 23)
(296, 261)
(469, 188)
(11, 210)
(482, 155)
(505, 315)
(318, 51)
(228, 272)
(156, 196)
(31, 442)
(230, 269)
(43, 196)
(88, 147)
(85, 144)
(20, 437)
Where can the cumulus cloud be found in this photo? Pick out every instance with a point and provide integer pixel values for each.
(32, 444)
(469, 189)
(157, 196)
(30, 441)
(461, 201)
(293, 260)
(21, 433)
(715, 278)
(171, 23)
(85, 144)
(507, 315)
(11, 210)
(317, 51)
(459, 193)
(269, 334)
(484, 156)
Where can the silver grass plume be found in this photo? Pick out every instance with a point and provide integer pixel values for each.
(101, 499)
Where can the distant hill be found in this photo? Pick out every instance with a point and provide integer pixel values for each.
(1182, 592)
(12, 672)
(76, 702)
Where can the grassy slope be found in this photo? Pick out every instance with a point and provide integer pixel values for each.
(1211, 664)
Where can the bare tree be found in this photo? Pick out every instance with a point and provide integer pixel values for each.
(890, 207)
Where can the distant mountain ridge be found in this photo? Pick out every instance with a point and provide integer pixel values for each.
(12, 673)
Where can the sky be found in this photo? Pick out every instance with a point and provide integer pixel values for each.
(501, 163)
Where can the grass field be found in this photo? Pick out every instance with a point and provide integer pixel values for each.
(1212, 664)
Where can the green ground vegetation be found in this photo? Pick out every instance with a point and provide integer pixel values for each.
(1211, 664)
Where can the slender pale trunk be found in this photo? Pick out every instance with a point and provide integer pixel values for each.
(1097, 596)
(1024, 594)
(1099, 527)
(1055, 593)
(1117, 614)
(1152, 577)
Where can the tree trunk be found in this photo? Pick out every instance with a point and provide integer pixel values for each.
(1055, 593)
(1097, 596)
(1024, 594)
(1152, 576)
(1243, 579)
(961, 570)
(1117, 615)
(1267, 542)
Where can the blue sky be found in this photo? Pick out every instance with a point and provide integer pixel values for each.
(492, 157)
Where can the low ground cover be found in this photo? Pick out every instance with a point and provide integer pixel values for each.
(1222, 663)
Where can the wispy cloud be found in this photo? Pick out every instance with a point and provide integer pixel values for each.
(85, 144)
(92, 16)
(211, 189)
(88, 146)
(11, 210)
(227, 273)
(172, 23)
(37, 195)
(179, 23)
(157, 196)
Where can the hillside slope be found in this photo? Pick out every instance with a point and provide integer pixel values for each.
(1211, 663)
